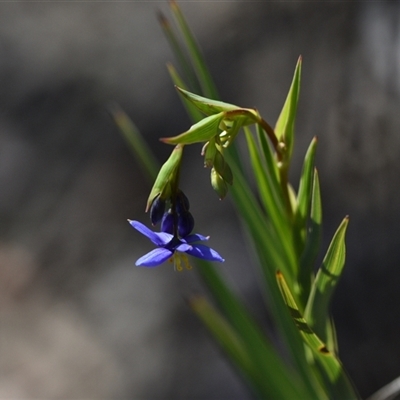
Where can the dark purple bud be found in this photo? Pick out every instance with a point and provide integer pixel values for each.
(157, 210)
(167, 223)
(182, 202)
(185, 224)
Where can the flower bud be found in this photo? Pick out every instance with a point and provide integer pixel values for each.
(157, 209)
(209, 153)
(165, 177)
(182, 202)
(218, 184)
(167, 222)
(185, 224)
(223, 168)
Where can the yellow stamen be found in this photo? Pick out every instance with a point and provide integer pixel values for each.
(178, 262)
(186, 261)
(180, 259)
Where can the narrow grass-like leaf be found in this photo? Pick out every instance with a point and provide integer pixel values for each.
(313, 241)
(179, 52)
(203, 74)
(272, 257)
(331, 340)
(222, 331)
(206, 81)
(191, 109)
(301, 219)
(304, 194)
(337, 383)
(317, 310)
(391, 391)
(284, 128)
(135, 141)
(261, 228)
(270, 160)
(270, 199)
(255, 357)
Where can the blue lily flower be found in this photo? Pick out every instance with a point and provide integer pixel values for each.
(173, 248)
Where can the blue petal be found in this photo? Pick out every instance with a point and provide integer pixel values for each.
(158, 238)
(204, 252)
(195, 238)
(183, 247)
(154, 257)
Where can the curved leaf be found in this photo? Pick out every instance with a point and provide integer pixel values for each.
(202, 131)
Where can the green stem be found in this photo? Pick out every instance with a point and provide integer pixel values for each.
(272, 137)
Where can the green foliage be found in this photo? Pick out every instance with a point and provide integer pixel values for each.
(317, 310)
(284, 230)
(135, 141)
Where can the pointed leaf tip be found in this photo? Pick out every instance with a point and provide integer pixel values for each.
(284, 128)
(206, 105)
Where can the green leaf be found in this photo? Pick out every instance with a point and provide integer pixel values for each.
(196, 57)
(272, 256)
(179, 52)
(270, 195)
(222, 331)
(301, 219)
(262, 231)
(202, 131)
(284, 128)
(269, 160)
(337, 383)
(205, 105)
(135, 141)
(269, 376)
(313, 241)
(317, 310)
(165, 174)
(191, 109)
(305, 188)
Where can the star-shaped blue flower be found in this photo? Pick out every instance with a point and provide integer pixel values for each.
(169, 246)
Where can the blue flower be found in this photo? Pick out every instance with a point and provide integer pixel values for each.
(173, 248)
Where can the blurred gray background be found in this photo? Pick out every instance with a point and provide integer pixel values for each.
(78, 319)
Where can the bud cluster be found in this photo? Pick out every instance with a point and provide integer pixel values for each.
(218, 131)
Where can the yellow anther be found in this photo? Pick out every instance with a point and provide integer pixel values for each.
(178, 263)
(185, 261)
(180, 260)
